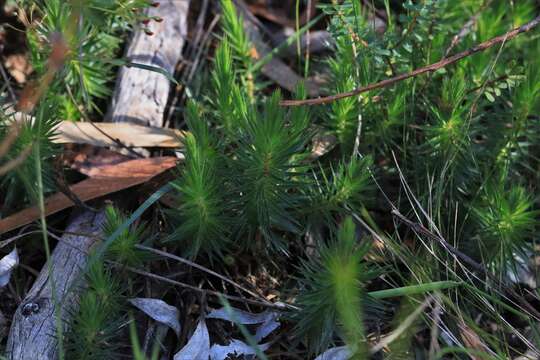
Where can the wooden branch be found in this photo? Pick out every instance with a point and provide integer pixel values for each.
(430, 68)
(33, 331)
(141, 95)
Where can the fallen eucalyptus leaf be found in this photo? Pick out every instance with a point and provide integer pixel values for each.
(198, 346)
(236, 347)
(268, 326)
(239, 316)
(7, 264)
(337, 353)
(158, 310)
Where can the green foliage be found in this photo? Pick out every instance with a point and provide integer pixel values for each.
(233, 27)
(331, 294)
(92, 32)
(201, 220)
(229, 103)
(349, 186)
(271, 173)
(95, 326)
(506, 219)
(343, 117)
(19, 184)
(455, 150)
(123, 249)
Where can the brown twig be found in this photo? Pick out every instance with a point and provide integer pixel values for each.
(206, 291)
(427, 69)
(202, 268)
(466, 28)
(12, 164)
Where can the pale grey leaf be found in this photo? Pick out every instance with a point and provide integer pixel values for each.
(7, 264)
(268, 326)
(337, 353)
(158, 310)
(236, 347)
(198, 346)
(239, 316)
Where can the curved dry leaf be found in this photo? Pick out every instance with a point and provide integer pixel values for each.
(336, 353)
(7, 264)
(240, 316)
(236, 347)
(159, 310)
(198, 346)
(268, 326)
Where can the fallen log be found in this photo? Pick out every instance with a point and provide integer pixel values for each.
(33, 330)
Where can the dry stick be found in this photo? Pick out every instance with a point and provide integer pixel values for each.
(430, 68)
(419, 228)
(202, 268)
(12, 164)
(466, 28)
(209, 292)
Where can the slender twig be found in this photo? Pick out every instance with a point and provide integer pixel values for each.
(200, 267)
(427, 69)
(6, 242)
(466, 28)
(280, 306)
(12, 164)
(7, 82)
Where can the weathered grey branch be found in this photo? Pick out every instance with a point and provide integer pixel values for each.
(33, 331)
(141, 95)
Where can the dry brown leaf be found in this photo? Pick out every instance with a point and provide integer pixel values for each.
(322, 144)
(18, 66)
(108, 134)
(107, 179)
(471, 339)
(83, 157)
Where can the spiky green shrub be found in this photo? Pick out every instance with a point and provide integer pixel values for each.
(94, 330)
(272, 175)
(506, 221)
(331, 291)
(18, 186)
(92, 31)
(202, 225)
(123, 249)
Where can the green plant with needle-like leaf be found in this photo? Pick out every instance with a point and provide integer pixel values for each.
(123, 249)
(331, 294)
(18, 186)
(271, 173)
(506, 219)
(95, 327)
(202, 224)
(349, 186)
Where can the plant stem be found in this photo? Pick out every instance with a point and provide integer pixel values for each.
(43, 222)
